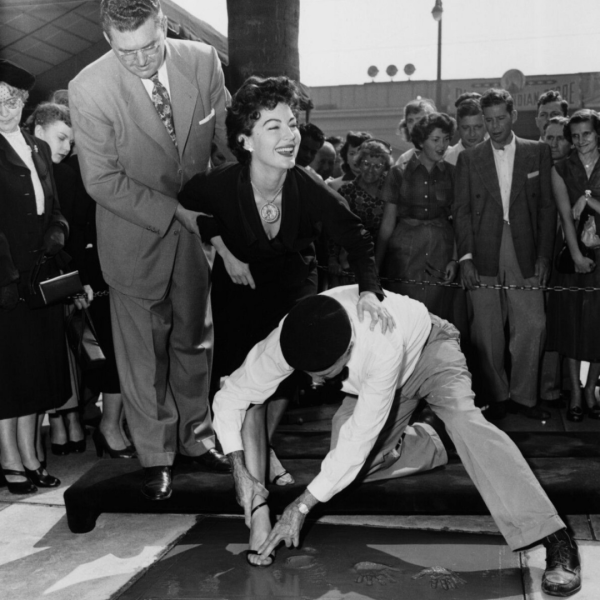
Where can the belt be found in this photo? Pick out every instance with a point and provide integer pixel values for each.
(423, 213)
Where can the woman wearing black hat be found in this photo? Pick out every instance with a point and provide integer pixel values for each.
(32, 345)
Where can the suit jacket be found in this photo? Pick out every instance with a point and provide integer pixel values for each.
(131, 167)
(20, 233)
(478, 213)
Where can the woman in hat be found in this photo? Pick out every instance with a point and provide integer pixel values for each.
(35, 373)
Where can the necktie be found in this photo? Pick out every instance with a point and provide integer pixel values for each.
(162, 103)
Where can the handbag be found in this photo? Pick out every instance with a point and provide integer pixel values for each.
(47, 285)
(564, 261)
(82, 338)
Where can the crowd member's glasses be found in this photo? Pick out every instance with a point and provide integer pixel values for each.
(376, 166)
(147, 52)
(11, 103)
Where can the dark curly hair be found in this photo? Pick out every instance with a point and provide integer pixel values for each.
(585, 115)
(47, 113)
(553, 96)
(255, 95)
(495, 96)
(353, 139)
(425, 125)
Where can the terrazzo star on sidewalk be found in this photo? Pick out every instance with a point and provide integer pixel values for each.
(384, 376)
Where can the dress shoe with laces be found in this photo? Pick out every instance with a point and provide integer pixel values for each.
(562, 576)
(157, 483)
(531, 412)
(212, 460)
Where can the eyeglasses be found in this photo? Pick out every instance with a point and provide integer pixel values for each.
(147, 52)
(11, 103)
(367, 164)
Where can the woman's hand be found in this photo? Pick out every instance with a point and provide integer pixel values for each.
(85, 299)
(579, 207)
(450, 271)
(238, 271)
(369, 302)
(583, 264)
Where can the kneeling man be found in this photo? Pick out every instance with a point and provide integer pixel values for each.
(384, 377)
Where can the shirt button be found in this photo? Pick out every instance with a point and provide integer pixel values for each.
(179, 171)
(425, 183)
(426, 196)
(176, 233)
(426, 209)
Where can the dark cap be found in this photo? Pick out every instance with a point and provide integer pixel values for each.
(15, 76)
(315, 334)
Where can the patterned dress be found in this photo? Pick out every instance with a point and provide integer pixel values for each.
(367, 208)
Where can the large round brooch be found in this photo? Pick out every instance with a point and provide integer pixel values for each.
(269, 213)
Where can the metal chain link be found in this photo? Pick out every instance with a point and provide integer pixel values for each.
(495, 286)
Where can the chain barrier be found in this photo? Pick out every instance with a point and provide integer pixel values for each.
(496, 286)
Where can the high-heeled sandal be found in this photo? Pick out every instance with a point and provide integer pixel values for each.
(19, 487)
(42, 478)
(77, 447)
(254, 552)
(278, 478)
(102, 446)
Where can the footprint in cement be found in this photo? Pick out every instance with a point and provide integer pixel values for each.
(300, 561)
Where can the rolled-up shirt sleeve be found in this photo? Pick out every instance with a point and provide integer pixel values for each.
(253, 383)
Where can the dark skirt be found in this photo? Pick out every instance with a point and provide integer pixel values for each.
(573, 318)
(34, 372)
(243, 317)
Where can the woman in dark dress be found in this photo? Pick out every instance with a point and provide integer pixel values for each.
(416, 239)
(265, 214)
(574, 317)
(33, 355)
(52, 123)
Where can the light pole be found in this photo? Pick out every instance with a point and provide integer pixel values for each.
(437, 16)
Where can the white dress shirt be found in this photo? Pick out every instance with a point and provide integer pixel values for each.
(452, 153)
(505, 162)
(163, 77)
(379, 365)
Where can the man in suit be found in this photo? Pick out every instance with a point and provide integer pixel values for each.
(505, 218)
(145, 115)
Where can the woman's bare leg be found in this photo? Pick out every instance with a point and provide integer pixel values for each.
(254, 439)
(275, 409)
(574, 367)
(111, 425)
(26, 432)
(9, 449)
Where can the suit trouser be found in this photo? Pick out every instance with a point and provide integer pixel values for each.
(524, 311)
(514, 497)
(164, 356)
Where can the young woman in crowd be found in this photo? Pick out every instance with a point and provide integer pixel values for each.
(33, 353)
(574, 317)
(349, 154)
(52, 123)
(265, 214)
(416, 239)
(414, 111)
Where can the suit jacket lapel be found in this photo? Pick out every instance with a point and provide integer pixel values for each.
(43, 169)
(486, 166)
(520, 169)
(184, 97)
(141, 110)
(10, 154)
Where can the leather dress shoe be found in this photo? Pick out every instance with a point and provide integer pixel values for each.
(562, 576)
(531, 412)
(157, 483)
(213, 460)
(496, 411)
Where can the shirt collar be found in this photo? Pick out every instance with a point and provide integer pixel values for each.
(414, 163)
(510, 146)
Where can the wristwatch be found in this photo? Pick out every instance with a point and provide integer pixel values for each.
(303, 508)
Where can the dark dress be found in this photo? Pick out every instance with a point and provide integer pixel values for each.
(423, 239)
(34, 374)
(573, 318)
(284, 268)
(80, 211)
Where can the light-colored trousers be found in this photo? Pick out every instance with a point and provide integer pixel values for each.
(514, 497)
(164, 357)
(524, 311)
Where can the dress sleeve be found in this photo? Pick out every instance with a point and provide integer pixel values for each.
(196, 196)
(391, 186)
(346, 230)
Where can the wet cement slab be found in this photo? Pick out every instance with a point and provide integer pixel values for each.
(334, 562)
